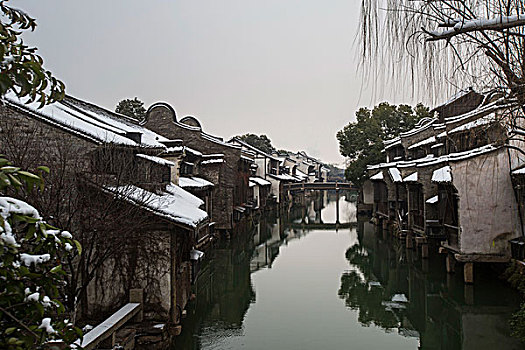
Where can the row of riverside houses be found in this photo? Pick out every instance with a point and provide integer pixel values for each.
(141, 196)
(456, 180)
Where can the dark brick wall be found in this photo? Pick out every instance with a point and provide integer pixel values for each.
(29, 142)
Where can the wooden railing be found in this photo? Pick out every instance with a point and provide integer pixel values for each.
(319, 186)
(106, 331)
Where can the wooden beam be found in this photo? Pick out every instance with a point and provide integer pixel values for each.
(468, 273)
(110, 325)
(490, 258)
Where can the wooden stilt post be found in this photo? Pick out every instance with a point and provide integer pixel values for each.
(409, 240)
(337, 205)
(469, 294)
(424, 251)
(425, 265)
(468, 272)
(450, 281)
(451, 263)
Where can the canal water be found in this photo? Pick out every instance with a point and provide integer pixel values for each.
(300, 282)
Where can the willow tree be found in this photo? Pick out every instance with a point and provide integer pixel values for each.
(438, 46)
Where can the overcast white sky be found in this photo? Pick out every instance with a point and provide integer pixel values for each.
(284, 68)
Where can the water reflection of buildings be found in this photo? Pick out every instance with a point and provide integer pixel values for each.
(223, 293)
(395, 290)
(267, 239)
(269, 235)
(224, 290)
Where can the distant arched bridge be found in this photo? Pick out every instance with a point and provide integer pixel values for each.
(319, 186)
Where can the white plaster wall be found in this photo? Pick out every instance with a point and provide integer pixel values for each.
(517, 158)
(256, 195)
(324, 174)
(303, 167)
(275, 187)
(261, 167)
(368, 192)
(488, 214)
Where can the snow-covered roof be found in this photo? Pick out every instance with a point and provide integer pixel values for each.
(300, 175)
(378, 176)
(158, 160)
(251, 184)
(247, 158)
(194, 182)
(454, 157)
(283, 177)
(430, 140)
(93, 123)
(423, 124)
(252, 148)
(488, 119)
(411, 178)
(442, 175)
(431, 160)
(455, 97)
(518, 171)
(216, 139)
(174, 204)
(175, 149)
(212, 161)
(395, 174)
(260, 181)
(432, 200)
(393, 142)
(192, 151)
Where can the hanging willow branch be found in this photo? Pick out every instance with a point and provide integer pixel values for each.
(438, 46)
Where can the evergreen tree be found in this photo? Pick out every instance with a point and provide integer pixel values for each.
(133, 108)
(261, 142)
(362, 141)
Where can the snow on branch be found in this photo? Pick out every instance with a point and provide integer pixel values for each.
(458, 26)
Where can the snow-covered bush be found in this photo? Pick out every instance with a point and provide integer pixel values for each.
(21, 67)
(31, 274)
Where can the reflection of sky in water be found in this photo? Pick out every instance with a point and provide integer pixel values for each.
(347, 210)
